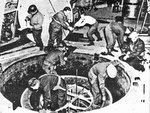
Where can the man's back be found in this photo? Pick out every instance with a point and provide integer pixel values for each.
(100, 67)
(47, 82)
(116, 27)
(59, 20)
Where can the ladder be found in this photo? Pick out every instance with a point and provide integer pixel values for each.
(147, 12)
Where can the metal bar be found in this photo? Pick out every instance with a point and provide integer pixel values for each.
(144, 22)
(76, 80)
(139, 15)
(52, 6)
(144, 89)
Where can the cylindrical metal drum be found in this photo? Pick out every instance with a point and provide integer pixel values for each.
(130, 11)
(131, 8)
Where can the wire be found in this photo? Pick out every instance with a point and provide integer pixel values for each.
(52, 6)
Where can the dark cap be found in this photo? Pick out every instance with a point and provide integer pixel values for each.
(67, 8)
(32, 9)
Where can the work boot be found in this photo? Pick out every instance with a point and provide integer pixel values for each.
(41, 48)
(99, 38)
(108, 53)
(114, 50)
(90, 44)
(94, 106)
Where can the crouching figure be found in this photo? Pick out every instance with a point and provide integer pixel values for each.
(53, 89)
(136, 53)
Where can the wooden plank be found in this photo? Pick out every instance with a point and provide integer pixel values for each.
(9, 59)
(31, 44)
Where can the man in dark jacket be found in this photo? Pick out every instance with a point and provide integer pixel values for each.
(53, 88)
(59, 22)
(136, 53)
(36, 20)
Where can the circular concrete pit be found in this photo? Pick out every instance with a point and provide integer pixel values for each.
(15, 77)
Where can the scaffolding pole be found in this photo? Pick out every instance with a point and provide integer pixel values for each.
(145, 18)
(138, 18)
(2, 10)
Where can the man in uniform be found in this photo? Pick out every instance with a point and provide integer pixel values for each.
(59, 22)
(36, 21)
(93, 24)
(136, 53)
(54, 58)
(97, 76)
(53, 88)
(112, 32)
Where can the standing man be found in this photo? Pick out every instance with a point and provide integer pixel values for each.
(97, 76)
(53, 88)
(36, 20)
(59, 22)
(93, 27)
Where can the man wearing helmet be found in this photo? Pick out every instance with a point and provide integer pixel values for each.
(97, 75)
(59, 22)
(53, 88)
(36, 21)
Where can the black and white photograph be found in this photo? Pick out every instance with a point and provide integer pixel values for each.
(75, 56)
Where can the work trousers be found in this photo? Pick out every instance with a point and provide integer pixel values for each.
(113, 33)
(93, 80)
(55, 32)
(59, 97)
(36, 35)
(93, 30)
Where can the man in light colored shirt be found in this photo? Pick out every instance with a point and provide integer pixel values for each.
(36, 21)
(92, 22)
